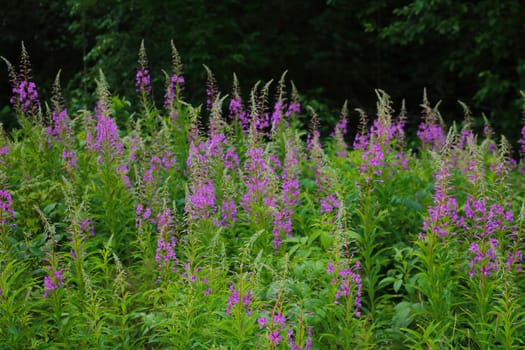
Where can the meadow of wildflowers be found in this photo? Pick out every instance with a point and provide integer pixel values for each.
(231, 226)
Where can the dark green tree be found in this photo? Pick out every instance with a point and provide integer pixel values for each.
(471, 50)
(333, 49)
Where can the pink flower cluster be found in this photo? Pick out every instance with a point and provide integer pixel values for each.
(349, 283)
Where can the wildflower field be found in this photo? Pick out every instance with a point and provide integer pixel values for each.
(237, 225)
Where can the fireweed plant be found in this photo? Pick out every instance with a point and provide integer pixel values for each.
(129, 225)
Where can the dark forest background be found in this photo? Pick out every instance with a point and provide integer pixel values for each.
(473, 51)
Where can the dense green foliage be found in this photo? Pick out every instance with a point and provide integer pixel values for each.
(334, 50)
(229, 226)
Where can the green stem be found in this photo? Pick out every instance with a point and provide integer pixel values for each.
(367, 251)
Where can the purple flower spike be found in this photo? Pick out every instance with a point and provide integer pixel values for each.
(143, 81)
(53, 281)
(235, 298)
(25, 95)
(6, 202)
(171, 91)
(262, 322)
(276, 337)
